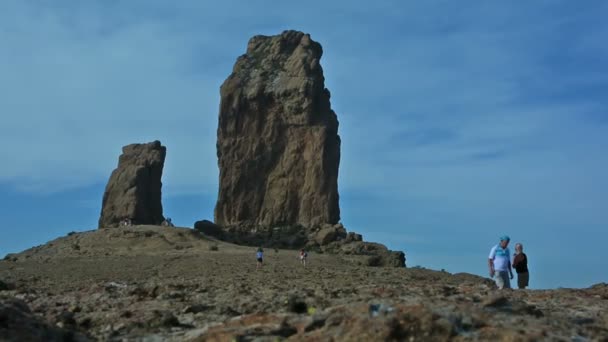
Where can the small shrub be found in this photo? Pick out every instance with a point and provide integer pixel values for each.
(214, 247)
(71, 233)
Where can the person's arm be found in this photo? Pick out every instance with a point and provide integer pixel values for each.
(510, 270)
(517, 260)
(491, 261)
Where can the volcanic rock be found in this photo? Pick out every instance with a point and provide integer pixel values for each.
(18, 323)
(208, 228)
(4, 286)
(325, 236)
(279, 152)
(378, 254)
(278, 146)
(133, 192)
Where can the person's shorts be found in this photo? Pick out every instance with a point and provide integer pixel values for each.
(260, 260)
(502, 279)
(523, 279)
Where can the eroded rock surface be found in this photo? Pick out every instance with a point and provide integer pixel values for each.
(134, 190)
(278, 146)
(279, 152)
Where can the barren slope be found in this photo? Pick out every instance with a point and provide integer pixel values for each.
(168, 283)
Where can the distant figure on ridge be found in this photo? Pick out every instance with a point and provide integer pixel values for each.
(126, 222)
(259, 255)
(167, 222)
(499, 263)
(303, 256)
(520, 263)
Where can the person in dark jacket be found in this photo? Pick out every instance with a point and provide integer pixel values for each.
(520, 263)
(259, 255)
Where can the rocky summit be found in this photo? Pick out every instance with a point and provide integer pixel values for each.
(278, 146)
(279, 151)
(133, 192)
(151, 283)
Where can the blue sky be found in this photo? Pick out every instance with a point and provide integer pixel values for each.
(460, 122)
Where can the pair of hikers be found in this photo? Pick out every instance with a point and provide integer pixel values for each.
(259, 255)
(499, 263)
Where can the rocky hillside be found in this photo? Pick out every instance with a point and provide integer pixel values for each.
(153, 283)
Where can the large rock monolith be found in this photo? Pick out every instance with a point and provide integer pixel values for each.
(133, 192)
(278, 146)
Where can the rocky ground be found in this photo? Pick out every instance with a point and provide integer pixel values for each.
(153, 284)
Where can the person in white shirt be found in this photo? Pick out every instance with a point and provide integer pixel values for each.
(499, 263)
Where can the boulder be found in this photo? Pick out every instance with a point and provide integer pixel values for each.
(4, 286)
(208, 228)
(378, 254)
(277, 142)
(133, 193)
(326, 235)
(352, 237)
(341, 232)
(18, 323)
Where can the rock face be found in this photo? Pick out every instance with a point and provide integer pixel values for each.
(134, 189)
(279, 152)
(278, 146)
